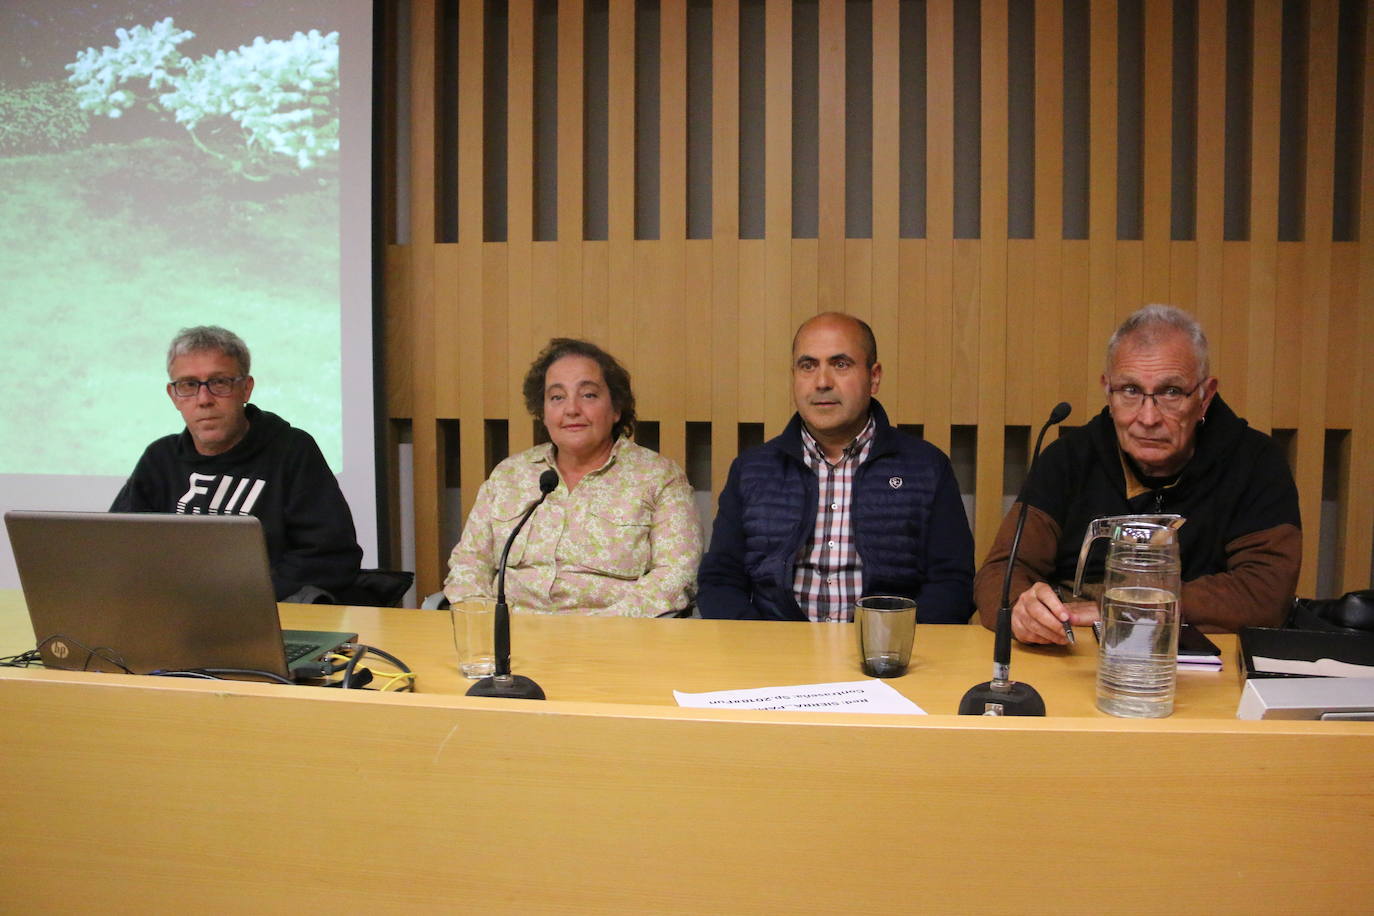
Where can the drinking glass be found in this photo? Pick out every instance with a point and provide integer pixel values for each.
(473, 620)
(886, 628)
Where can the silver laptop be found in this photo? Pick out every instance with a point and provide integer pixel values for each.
(142, 592)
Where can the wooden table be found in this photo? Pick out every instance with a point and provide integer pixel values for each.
(147, 793)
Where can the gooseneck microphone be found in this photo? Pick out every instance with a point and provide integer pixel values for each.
(1002, 696)
(502, 683)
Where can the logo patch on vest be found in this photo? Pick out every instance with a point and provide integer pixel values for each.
(895, 483)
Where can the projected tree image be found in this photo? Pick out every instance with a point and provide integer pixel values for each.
(165, 163)
(249, 107)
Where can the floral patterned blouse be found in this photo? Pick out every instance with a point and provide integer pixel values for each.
(625, 542)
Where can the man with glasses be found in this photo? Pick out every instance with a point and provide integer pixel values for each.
(236, 459)
(1165, 443)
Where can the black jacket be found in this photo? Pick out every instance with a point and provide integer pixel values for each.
(1236, 483)
(275, 473)
(909, 527)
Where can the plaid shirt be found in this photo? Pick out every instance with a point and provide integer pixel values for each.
(829, 575)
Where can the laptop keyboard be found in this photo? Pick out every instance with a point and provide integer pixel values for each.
(295, 651)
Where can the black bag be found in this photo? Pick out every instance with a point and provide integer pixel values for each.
(1351, 613)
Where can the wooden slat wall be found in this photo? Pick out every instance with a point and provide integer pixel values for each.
(985, 332)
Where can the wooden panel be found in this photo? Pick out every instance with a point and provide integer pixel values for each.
(596, 292)
(1230, 362)
(502, 378)
(758, 360)
(665, 310)
(1103, 314)
(649, 389)
(1264, 211)
(581, 782)
(1080, 360)
(669, 314)
(471, 365)
(448, 326)
(910, 401)
(621, 178)
(858, 278)
(695, 344)
(1020, 383)
(387, 69)
(986, 331)
(1157, 154)
(1345, 347)
(397, 334)
(521, 342)
(1183, 285)
(1316, 294)
(1130, 279)
(939, 262)
(726, 291)
(806, 262)
(427, 456)
(545, 317)
(1218, 316)
(964, 303)
(1045, 359)
(991, 382)
(568, 304)
(1357, 485)
(831, 281)
(777, 288)
(884, 313)
(1284, 349)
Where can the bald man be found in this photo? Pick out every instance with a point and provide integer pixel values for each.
(840, 505)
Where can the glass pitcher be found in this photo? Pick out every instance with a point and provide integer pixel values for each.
(1137, 667)
(1133, 527)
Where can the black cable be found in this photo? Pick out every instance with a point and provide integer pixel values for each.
(104, 653)
(23, 660)
(362, 651)
(219, 674)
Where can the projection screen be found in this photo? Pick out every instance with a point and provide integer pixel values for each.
(168, 164)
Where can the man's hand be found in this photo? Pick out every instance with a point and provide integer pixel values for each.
(1038, 615)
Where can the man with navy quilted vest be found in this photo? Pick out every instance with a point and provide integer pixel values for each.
(840, 505)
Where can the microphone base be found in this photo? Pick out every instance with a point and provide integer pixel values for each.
(509, 686)
(1010, 699)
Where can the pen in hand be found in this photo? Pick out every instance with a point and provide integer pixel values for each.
(1068, 633)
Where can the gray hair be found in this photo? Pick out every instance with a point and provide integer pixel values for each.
(1148, 322)
(209, 337)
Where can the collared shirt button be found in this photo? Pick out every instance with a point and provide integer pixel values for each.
(831, 543)
(834, 505)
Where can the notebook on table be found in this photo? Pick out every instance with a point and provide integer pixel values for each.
(141, 592)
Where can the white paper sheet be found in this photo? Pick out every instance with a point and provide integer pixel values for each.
(872, 696)
(1322, 666)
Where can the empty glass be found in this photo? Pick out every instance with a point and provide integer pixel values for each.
(886, 629)
(473, 621)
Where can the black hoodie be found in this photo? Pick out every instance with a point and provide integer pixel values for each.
(275, 473)
(1241, 544)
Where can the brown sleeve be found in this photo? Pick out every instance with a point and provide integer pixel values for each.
(1257, 587)
(1034, 561)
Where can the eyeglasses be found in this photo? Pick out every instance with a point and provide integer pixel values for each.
(1170, 399)
(219, 386)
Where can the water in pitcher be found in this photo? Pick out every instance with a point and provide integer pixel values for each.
(1138, 658)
